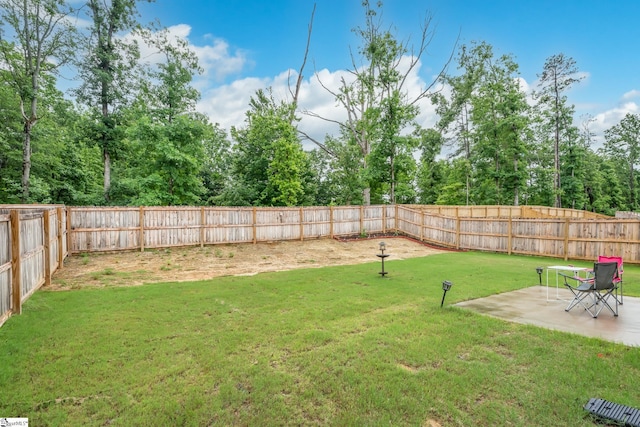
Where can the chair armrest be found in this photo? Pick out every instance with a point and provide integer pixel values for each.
(576, 278)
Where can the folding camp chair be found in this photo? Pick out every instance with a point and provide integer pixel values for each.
(593, 293)
(618, 279)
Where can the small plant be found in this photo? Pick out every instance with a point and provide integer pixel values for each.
(99, 274)
(230, 254)
(363, 233)
(218, 253)
(85, 258)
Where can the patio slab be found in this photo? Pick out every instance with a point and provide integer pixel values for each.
(530, 306)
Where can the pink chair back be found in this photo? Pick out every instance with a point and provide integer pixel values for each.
(617, 259)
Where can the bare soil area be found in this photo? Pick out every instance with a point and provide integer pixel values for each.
(196, 263)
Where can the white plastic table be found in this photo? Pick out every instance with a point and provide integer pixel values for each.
(559, 268)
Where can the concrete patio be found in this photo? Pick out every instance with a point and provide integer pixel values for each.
(530, 306)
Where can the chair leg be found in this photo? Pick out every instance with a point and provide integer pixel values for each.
(579, 298)
(603, 299)
(620, 293)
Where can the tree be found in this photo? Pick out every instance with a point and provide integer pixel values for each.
(455, 113)
(430, 172)
(499, 115)
(622, 142)
(165, 131)
(106, 72)
(486, 116)
(377, 101)
(268, 160)
(41, 41)
(558, 75)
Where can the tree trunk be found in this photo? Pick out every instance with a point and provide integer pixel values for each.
(556, 146)
(26, 161)
(516, 192)
(393, 181)
(366, 196)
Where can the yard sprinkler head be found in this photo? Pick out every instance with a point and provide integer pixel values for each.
(446, 285)
(382, 256)
(539, 271)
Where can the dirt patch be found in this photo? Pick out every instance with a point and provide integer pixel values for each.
(196, 263)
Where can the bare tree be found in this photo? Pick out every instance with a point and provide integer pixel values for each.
(377, 87)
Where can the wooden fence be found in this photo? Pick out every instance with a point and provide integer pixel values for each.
(32, 247)
(507, 212)
(34, 240)
(93, 229)
(567, 237)
(527, 230)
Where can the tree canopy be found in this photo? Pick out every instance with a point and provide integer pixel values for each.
(130, 133)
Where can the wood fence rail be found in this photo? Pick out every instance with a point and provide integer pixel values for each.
(34, 240)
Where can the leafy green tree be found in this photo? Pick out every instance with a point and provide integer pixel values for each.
(343, 176)
(453, 191)
(215, 169)
(40, 41)
(602, 185)
(486, 116)
(430, 171)
(499, 115)
(559, 74)
(170, 166)
(107, 71)
(455, 112)
(167, 127)
(622, 143)
(64, 170)
(574, 168)
(10, 145)
(268, 160)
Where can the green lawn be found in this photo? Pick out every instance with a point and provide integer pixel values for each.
(324, 346)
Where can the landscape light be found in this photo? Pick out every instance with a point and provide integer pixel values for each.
(539, 271)
(446, 285)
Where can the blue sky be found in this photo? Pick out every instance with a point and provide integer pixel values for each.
(251, 44)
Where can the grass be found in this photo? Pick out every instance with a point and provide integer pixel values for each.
(329, 346)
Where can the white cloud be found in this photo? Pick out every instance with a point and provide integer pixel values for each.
(631, 94)
(612, 117)
(228, 103)
(218, 62)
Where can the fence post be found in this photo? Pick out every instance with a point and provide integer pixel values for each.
(422, 225)
(301, 224)
(362, 220)
(509, 239)
(255, 237)
(384, 219)
(16, 287)
(141, 222)
(331, 221)
(69, 237)
(202, 224)
(396, 218)
(566, 239)
(47, 248)
(457, 228)
(59, 235)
